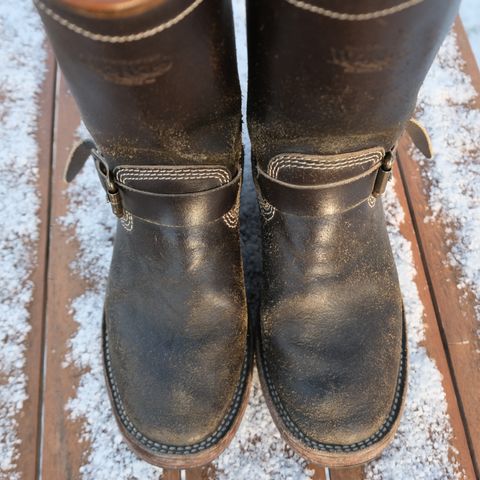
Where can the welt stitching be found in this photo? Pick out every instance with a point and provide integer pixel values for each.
(176, 449)
(117, 38)
(354, 17)
(381, 432)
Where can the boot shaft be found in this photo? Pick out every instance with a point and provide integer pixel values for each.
(331, 85)
(156, 84)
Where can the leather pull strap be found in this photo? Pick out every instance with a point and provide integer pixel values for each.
(343, 183)
(420, 137)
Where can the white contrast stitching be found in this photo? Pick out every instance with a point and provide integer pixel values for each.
(354, 17)
(232, 216)
(266, 209)
(127, 221)
(125, 174)
(134, 37)
(289, 160)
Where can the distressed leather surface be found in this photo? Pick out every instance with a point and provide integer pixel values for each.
(164, 114)
(177, 325)
(171, 98)
(323, 86)
(331, 315)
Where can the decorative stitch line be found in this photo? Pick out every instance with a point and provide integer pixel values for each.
(134, 37)
(125, 174)
(127, 221)
(174, 449)
(232, 216)
(266, 209)
(354, 17)
(290, 160)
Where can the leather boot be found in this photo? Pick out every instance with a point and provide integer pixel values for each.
(329, 95)
(157, 87)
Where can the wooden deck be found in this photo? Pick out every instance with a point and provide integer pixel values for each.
(51, 443)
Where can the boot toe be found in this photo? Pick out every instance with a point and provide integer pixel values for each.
(339, 386)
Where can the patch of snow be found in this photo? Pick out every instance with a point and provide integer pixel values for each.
(454, 171)
(421, 448)
(470, 13)
(22, 72)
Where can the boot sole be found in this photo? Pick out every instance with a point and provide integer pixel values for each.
(187, 460)
(357, 456)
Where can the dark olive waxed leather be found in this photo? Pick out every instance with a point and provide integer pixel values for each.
(323, 93)
(164, 115)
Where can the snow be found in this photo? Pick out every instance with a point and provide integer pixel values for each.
(454, 171)
(470, 14)
(21, 76)
(421, 448)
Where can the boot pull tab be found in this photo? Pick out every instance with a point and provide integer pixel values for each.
(420, 137)
(77, 158)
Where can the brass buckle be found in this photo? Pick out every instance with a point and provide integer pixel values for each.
(384, 174)
(113, 195)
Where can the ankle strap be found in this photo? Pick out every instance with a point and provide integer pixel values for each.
(327, 197)
(142, 198)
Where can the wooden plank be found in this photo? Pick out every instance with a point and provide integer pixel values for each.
(319, 472)
(455, 308)
(203, 473)
(354, 473)
(62, 450)
(29, 421)
(433, 342)
(171, 475)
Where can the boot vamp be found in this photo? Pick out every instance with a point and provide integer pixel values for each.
(332, 322)
(176, 328)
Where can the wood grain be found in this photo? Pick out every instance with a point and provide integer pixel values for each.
(29, 421)
(62, 447)
(455, 308)
(433, 341)
(354, 473)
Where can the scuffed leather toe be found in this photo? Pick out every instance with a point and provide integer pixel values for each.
(332, 335)
(176, 353)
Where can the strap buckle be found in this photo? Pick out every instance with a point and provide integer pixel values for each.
(113, 195)
(78, 156)
(384, 174)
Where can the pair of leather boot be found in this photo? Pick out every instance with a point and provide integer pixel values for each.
(329, 94)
